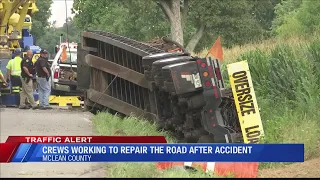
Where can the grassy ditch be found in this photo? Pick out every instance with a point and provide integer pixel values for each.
(109, 125)
(286, 79)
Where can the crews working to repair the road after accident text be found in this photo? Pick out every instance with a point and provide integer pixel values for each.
(22, 74)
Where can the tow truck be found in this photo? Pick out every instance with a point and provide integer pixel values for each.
(15, 26)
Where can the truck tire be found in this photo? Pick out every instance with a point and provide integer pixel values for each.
(88, 105)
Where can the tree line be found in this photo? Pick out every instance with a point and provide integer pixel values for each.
(193, 23)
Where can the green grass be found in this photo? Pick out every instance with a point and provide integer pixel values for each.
(286, 79)
(109, 125)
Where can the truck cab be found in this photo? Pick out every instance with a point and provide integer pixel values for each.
(64, 70)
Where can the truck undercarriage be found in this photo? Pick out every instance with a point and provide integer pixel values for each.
(183, 94)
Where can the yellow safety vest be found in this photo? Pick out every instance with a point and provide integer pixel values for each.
(15, 66)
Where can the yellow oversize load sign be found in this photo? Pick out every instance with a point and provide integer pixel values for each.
(246, 102)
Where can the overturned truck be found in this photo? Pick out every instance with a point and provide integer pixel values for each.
(185, 95)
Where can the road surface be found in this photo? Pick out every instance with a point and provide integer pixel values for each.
(48, 122)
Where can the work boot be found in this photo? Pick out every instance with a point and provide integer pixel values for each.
(24, 107)
(48, 107)
(42, 108)
(35, 107)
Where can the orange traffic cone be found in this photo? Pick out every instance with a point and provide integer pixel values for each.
(237, 169)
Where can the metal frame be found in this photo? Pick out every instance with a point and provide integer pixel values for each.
(109, 57)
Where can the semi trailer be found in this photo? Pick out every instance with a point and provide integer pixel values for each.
(185, 95)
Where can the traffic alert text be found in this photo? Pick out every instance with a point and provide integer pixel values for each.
(201, 150)
(58, 139)
(83, 153)
(94, 150)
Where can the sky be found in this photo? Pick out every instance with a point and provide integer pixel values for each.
(58, 11)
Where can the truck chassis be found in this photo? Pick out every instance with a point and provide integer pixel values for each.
(132, 78)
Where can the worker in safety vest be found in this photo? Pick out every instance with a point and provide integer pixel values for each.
(3, 83)
(14, 71)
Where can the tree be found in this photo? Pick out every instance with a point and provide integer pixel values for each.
(171, 8)
(309, 15)
(141, 20)
(40, 19)
(51, 37)
(264, 12)
(233, 20)
(192, 23)
(283, 10)
(297, 17)
(211, 15)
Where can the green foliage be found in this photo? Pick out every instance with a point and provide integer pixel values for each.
(314, 56)
(291, 27)
(284, 9)
(284, 74)
(309, 15)
(47, 36)
(286, 81)
(40, 19)
(297, 17)
(112, 125)
(143, 20)
(263, 11)
(51, 37)
(232, 20)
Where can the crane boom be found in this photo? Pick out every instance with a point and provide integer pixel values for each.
(13, 15)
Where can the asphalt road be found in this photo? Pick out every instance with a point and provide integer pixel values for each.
(48, 122)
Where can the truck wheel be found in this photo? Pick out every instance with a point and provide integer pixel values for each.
(88, 105)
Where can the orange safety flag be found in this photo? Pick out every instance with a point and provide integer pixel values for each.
(216, 50)
(64, 54)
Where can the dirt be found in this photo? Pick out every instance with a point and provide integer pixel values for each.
(159, 43)
(307, 169)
